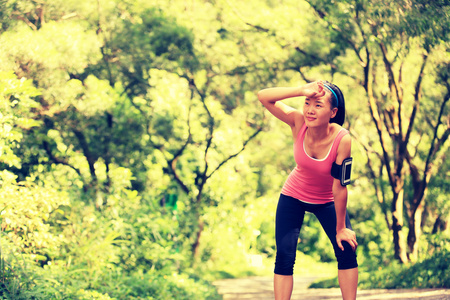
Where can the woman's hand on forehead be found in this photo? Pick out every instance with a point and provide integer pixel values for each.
(314, 89)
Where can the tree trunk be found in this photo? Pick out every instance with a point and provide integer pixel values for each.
(196, 244)
(416, 210)
(415, 229)
(397, 226)
(441, 224)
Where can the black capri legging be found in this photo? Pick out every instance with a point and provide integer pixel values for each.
(289, 220)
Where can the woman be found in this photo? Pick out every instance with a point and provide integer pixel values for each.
(322, 150)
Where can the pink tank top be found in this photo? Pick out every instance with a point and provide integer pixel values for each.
(311, 180)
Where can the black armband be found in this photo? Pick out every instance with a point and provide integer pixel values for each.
(342, 172)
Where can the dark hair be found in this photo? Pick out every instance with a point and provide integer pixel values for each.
(339, 103)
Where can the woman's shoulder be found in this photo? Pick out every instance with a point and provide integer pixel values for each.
(299, 118)
(338, 131)
(299, 123)
(341, 135)
(336, 127)
(345, 142)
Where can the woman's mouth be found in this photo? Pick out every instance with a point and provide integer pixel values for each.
(310, 119)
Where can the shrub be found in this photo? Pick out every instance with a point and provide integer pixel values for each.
(432, 272)
(160, 286)
(26, 209)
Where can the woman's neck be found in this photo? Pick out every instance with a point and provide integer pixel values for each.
(319, 133)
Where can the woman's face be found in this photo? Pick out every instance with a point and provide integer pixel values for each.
(318, 111)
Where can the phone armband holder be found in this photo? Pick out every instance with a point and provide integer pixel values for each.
(342, 172)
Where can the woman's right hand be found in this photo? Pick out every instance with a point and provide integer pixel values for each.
(347, 235)
(313, 89)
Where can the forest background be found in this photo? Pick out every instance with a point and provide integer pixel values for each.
(137, 162)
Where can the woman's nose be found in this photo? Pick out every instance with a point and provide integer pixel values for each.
(310, 110)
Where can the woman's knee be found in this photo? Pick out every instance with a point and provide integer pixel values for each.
(346, 259)
(284, 263)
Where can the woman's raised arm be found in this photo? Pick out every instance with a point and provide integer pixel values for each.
(271, 99)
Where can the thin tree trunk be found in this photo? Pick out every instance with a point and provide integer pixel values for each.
(196, 245)
(441, 224)
(397, 226)
(415, 230)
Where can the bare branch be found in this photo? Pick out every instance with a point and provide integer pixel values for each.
(388, 116)
(436, 142)
(378, 187)
(314, 57)
(393, 82)
(172, 162)
(416, 100)
(236, 12)
(378, 124)
(58, 160)
(304, 76)
(259, 129)
(87, 153)
(172, 169)
(28, 22)
(420, 184)
(343, 35)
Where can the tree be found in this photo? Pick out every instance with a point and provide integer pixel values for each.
(101, 103)
(167, 89)
(388, 39)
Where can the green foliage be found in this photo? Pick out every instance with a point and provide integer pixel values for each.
(16, 98)
(53, 283)
(111, 109)
(432, 272)
(111, 254)
(25, 222)
(325, 283)
(435, 27)
(313, 240)
(170, 286)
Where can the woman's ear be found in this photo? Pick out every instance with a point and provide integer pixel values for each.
(334, 112)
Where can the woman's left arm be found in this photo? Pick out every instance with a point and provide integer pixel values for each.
(340, 198)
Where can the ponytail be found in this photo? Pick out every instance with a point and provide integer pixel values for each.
(338, 102)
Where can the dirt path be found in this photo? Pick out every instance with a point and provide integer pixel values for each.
(261, 288)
